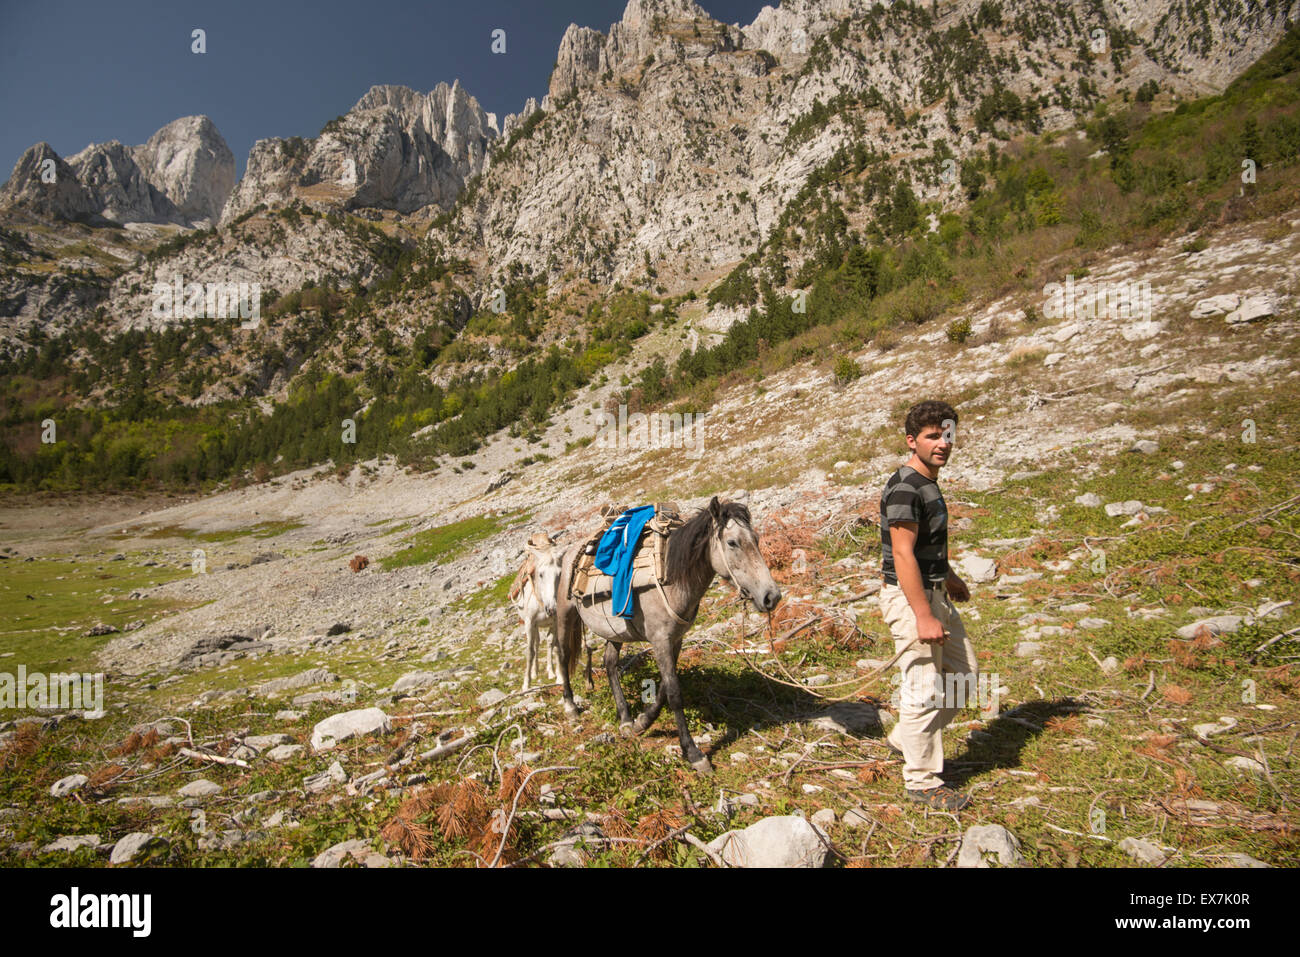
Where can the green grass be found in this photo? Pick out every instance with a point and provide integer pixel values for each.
(447, 542)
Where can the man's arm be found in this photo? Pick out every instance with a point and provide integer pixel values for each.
(902, 539)
(957, 589)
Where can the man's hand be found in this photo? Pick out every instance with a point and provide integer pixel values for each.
(957, 589)
(929, 630)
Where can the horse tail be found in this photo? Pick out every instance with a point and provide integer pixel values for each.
(573, 642)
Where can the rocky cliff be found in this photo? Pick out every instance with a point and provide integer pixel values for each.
(396, 149)
(182, 175)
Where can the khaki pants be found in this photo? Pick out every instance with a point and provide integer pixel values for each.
(937, 681)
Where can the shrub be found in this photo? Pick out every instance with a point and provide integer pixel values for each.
(959, 330)
(846, 370)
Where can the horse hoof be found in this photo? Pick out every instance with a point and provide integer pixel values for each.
(703, 766)
(570, 708)
(640, 724)
(627, 729)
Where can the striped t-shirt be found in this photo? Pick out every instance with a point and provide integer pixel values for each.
(911, 497)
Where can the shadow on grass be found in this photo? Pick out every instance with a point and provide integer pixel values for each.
(1007, 735)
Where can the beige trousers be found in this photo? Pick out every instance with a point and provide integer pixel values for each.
(937, 681)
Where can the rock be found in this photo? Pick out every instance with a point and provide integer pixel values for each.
(1215, 305)
(415, 680)
(284, 752)
(1143, 852)
(101, 629)
(1053, 358)
(67, 785)
(1238, 859)
(289, 715)
(849, 717)
(72, 842)
(356, 850)
(569, 853)
(338, 628)
(200, 788)
(1089, 499)
(1217, 625)
(814, 681)
(1027, 649)
(264, 741)
(135, 844)
(1257, 307)
(1091, 623)
(322, 781)
(1019, 579)
(1138, 331)
(1210, 729)
(349, 724)
(984, 842)
(856, 817)
(304, 679)
(782, 841)
(1244, 764)
(825, 818)
(1146, 447)
(1271, 609)
(975, 569)
(1131, 507)
(1109, 665)
(491, 697)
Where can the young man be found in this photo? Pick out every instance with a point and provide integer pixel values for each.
(914, 601)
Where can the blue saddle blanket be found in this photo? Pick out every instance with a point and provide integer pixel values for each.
(615, 552)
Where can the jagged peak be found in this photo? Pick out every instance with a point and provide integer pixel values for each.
(639, 15)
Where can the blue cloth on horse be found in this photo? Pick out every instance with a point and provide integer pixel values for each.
(615, 551)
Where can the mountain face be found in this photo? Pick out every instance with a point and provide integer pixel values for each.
(395, 149)
(676, 142)
(667, 149)
(182, 175)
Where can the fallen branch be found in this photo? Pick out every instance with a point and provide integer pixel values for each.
(694, 841)
(199, 755)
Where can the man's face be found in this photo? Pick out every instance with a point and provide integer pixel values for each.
(931, 446)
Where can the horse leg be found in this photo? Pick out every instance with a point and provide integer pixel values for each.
(611, 670)
(591, 685)
(530, 653)
(552, 655)
(651, 713)
(666, 658)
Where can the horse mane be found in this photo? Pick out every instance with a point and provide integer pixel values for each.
(688, 546)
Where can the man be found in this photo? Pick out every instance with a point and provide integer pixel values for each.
(914, 601)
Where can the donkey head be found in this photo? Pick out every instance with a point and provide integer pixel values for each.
(733, 550)
(546, 574)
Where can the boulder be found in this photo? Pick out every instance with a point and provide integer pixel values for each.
(349, 724)
(985, 844)
(781, 841)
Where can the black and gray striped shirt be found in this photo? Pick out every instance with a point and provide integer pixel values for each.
(911, 497)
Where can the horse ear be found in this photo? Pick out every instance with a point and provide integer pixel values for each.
(714, 508)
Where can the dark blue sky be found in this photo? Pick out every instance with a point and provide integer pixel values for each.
(73, 73)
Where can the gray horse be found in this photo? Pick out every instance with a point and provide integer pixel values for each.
(717, 540)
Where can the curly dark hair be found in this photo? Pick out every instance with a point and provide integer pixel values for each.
(924, 414)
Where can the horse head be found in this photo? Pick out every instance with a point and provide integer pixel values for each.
(546, 573)
(733, 550)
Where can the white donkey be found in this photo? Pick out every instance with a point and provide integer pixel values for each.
(533, 595)
(534, 599)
